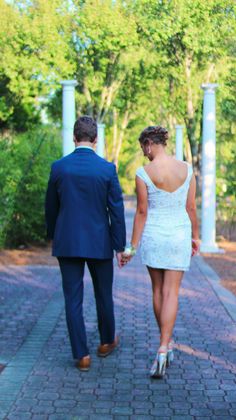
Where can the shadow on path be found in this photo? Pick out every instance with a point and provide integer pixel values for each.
(40, 381)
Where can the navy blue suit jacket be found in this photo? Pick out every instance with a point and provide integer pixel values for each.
(84, 207)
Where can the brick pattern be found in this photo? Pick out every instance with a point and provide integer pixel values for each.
(200, 384)
(25, 291)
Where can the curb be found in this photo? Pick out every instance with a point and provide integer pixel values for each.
(227, 298)
(19, 367)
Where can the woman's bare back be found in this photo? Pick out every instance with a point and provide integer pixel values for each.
(167, 173)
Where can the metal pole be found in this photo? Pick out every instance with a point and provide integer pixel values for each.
(179, 142)
(68, 115)
(101, 140)
(208, 223)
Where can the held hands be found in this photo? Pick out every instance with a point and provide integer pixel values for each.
(124, 257)
(195, 246)
(128, 253)
(121, 259)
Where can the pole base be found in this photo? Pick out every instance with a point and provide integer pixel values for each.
(211, 248)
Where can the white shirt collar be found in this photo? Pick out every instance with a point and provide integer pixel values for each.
(84, 147)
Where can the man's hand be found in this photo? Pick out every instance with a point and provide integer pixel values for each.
(122, 259)
(119, 259)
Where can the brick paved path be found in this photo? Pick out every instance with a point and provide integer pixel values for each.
(40, 382)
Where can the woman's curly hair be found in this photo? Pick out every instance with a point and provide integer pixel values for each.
(155, 133)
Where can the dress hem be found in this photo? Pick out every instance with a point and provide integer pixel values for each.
(167, 268)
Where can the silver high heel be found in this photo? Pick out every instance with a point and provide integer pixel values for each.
(170, 353)
(158, 368)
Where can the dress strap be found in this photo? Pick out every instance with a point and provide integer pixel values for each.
(141, 173)
(190, 171)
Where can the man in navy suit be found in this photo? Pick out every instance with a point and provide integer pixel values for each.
(85, 220)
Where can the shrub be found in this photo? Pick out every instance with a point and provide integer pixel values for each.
(226, 217)
(25, 161)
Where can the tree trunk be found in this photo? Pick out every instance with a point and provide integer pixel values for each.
(115, 133)
(107, 97)
(121, 136)
(189, 120)
(88, 98)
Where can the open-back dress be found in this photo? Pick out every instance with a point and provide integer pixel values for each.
(166, 239)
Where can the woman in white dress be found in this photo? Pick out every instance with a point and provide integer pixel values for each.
(166, 228)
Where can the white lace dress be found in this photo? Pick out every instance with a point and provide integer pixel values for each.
(166, 238)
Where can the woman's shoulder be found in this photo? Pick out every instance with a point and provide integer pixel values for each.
(148, 165)
(189, 166)
(178, 161)
(141, 173)
(182, 163)
(142, 169)
(139, 170)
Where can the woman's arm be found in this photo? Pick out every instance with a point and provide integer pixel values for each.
(141, 211)
(192, 212)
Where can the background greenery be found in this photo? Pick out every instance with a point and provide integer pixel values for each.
(137, 63)
(25, 161)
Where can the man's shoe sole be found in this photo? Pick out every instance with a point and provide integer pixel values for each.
(106, 354)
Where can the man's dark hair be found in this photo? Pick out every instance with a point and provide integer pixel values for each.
(85, 129)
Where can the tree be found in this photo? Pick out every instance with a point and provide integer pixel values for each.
(35, 48)
(193, 39)
(137, 62)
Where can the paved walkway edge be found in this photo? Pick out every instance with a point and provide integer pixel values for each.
(17, 370)
(227, 298)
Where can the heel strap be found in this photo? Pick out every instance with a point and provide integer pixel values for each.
(171, 345)
(162, 349)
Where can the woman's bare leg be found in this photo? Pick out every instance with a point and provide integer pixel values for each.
(170, 293)
(157, 277)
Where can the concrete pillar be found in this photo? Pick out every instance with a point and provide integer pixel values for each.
(101, 140)
(179, 142)
(208, 222)
(68, 115)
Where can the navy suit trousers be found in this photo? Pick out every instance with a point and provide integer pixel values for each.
(72, 271)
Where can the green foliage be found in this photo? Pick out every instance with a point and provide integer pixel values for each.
(192, 40)
(137, 63)
(35, 49)
(25, 161)
(226, 216)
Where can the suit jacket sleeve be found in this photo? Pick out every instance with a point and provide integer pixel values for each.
(52, 204)
(116, 213)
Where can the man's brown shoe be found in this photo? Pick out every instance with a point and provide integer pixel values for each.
(83, 364)
(106, 349)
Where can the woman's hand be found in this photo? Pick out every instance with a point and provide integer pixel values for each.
(125, 258)
(128, 253)
(195, 246)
